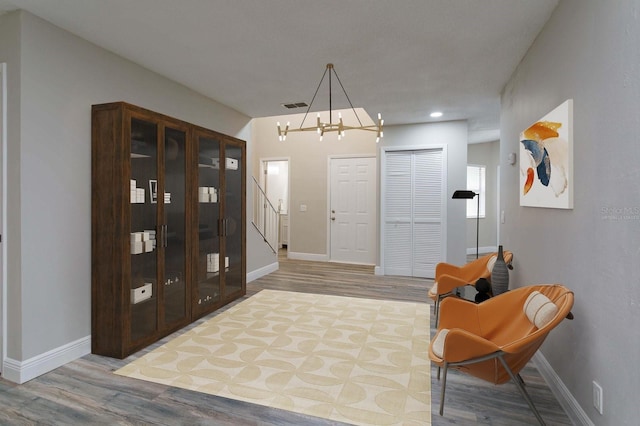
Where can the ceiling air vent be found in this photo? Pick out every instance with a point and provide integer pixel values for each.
(295, 105)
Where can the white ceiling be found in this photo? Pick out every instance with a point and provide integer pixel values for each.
(402, 58)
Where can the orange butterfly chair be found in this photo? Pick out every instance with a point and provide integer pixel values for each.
(449, 276)
(495, 339)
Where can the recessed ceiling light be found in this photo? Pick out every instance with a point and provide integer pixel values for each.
(436, 114)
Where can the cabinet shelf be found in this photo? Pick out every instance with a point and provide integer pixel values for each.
(140, 149)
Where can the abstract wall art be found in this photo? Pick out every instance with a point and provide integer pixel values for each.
(546, 160)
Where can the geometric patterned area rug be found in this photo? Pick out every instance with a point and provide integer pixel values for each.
(359, 361)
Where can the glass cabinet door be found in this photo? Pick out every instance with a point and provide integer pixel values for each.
(233, 239)
(210, 261)
(144, 157)
(173, 200)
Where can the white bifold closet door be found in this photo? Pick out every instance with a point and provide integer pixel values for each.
(413, 222)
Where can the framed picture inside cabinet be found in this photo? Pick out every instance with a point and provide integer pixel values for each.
(153, 191)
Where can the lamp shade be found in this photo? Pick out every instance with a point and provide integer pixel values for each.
(464, 194)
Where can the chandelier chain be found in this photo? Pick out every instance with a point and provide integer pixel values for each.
(345, 93)
(314, 97)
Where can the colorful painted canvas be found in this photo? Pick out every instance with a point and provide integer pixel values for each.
(546, 160)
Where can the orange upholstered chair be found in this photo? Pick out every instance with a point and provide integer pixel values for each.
(449, 276)
(495, 339)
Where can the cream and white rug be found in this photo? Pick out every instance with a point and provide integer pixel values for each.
(353, 360)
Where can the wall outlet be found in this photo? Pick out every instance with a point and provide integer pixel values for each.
(597, 397)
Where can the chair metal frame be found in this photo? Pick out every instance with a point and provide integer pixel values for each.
(517, 379)
(436, 305)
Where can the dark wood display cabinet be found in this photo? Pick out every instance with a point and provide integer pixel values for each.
(168, 225)
(219, 245)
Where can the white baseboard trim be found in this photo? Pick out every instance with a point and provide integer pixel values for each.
(261, 272)
(23, 371)
(308, 256)
(575, 412)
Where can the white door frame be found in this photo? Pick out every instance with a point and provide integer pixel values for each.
(3, 213)
(379, 270)
(262, 179)
(263, 182)
(335, 157)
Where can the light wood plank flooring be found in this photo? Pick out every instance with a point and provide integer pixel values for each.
(87, 392)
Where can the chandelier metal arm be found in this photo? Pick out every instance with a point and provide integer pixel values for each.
(316, 92)
(327, 128)
(347, 96)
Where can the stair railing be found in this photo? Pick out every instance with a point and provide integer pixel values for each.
(266, 218)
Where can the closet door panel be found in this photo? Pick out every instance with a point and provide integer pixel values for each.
(398, 214)
(413, 223)
(427, 212)
(398, 249)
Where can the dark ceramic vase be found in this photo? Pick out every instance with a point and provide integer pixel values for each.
(500, 274)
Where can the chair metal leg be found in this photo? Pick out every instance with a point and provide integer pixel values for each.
(518, 381)
(521, 379)
(437, 308)
(444, 385)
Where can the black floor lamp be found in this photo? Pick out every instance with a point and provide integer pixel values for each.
(468, 195)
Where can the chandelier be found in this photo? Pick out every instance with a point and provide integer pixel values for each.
(322, 128)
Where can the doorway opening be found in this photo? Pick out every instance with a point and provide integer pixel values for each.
(275, 183)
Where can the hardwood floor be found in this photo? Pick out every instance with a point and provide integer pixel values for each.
(87, 392)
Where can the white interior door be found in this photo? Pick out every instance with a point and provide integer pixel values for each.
(352, 207)
(413, 212)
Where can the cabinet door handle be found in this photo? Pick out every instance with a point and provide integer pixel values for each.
(165, 239)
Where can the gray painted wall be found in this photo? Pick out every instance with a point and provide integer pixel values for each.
(588, 51)
(54, 78)
(10, 53)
